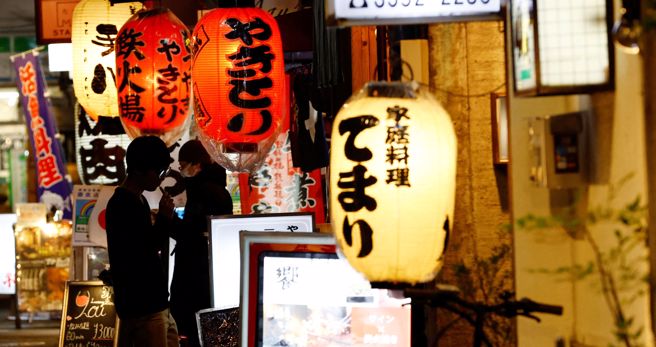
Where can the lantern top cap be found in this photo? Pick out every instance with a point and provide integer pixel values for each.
(396, 89)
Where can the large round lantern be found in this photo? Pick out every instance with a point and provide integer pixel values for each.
(238, 83)
(95, 24)
(392, 182)
(153, 62)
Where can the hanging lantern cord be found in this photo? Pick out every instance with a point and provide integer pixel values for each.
(404, 63)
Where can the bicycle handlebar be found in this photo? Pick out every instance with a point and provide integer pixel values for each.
(529, 305)
(508, 307)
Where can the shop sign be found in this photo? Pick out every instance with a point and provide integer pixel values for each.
(351, 12)
(54, 20)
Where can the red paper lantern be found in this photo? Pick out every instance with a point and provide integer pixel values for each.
(153, 63)
(239, 75)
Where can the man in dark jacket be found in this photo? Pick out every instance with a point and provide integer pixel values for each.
(135, 247)
(205, 183)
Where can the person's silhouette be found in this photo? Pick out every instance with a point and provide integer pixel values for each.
(205, 183)
(136, 246)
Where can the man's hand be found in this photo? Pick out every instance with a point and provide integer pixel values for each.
(166, 205)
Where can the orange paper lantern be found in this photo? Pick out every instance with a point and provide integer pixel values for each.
(238, 83)
(153, 63)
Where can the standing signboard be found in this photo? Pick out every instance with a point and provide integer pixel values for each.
(89, 316)
(7, 255)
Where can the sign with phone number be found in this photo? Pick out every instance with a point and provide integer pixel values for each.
(404, 9)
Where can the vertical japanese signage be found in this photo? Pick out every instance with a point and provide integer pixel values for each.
(52, 186)
(95, 25)
(279, 187)
(392, 177)
(100, 149)
(239, 85)
(153, 62)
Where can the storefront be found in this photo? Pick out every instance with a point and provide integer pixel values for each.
(544, 195)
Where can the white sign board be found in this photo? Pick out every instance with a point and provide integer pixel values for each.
(224, 248)
(411, 11)
(7, 254)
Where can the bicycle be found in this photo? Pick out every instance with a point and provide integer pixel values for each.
(476, 313)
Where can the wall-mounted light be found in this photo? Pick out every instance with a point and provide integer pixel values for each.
(626, 31)
(562, 46)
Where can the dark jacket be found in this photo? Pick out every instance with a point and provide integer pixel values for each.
(135, 247)
(190, 288)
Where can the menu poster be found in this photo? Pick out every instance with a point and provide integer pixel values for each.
(43, 256)
(89, 317)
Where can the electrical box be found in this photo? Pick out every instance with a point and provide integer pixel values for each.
(559, 150)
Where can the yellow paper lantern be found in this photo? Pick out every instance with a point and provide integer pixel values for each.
(392, 182)
(95, 25)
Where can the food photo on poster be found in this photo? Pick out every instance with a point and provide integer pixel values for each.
(297, 291)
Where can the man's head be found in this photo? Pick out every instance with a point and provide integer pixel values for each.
(148, 160)
(192, 157)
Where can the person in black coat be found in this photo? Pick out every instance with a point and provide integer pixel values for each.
(136, 245)
(207, 195)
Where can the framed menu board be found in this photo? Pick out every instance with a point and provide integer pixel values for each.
(89, 316)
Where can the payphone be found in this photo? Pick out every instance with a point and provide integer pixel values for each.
(559, 150)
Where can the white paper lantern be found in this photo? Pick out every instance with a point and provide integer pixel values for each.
(392, 182)
(95, 25)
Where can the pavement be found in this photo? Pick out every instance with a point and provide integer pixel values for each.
(38, 333)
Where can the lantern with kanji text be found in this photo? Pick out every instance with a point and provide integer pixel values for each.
(392, 182)
(153, 62)
(95, 24)
(238, 83)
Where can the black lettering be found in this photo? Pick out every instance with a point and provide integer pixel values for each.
(354, 126)
(382, 3)
(471, 2)
(352, 4)
(420, 3)
(366, 236)
(406, 4)
(458, 2)
(445, 2)
(252, 88)
(393, 4)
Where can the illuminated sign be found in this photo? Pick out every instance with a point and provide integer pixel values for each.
(357, 12)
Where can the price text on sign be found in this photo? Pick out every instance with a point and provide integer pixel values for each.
(89, 318)
(370, 9)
